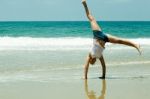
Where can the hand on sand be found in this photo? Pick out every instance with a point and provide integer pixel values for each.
(101, 77)
(84, 78)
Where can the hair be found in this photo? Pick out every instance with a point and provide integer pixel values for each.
(92, 59)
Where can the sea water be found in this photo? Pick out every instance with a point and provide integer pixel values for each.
(42, 50)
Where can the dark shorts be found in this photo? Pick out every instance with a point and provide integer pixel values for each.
(100, 35)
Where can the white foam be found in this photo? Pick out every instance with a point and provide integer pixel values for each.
(65, 43)
(142, 41)
(28, 43)
(129, 63)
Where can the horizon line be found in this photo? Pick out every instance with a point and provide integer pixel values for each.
(73, 20)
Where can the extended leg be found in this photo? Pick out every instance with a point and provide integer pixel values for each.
(114, 39)
(94, 24)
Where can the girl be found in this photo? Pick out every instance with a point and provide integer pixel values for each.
(99, 40)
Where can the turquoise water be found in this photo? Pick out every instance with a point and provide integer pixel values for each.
(73, 29)
(41, 49)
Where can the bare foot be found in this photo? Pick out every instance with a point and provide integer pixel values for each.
(138, 47)
(83, 1)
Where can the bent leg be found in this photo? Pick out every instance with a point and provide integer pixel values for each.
(116, 40)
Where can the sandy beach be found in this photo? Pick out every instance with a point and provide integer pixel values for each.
(37, 75)
(41, 74)
(67, 84)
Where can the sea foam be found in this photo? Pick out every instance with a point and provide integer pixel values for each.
(63, 43)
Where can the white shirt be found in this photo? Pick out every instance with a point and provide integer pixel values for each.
(97, 49)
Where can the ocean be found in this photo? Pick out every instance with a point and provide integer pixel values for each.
(40, 50)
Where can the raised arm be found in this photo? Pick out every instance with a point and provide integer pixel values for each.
(88, 14)
(103, 67)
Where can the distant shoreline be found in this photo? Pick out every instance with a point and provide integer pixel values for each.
(72, 21)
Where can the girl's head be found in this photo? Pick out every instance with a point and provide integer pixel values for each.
(92, 60)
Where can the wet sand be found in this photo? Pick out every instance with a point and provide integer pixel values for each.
(70, 86)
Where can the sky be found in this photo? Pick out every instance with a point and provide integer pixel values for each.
(72, 10)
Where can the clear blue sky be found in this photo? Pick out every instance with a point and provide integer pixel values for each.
(72, 10)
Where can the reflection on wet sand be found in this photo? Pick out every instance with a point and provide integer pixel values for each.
(91, 94)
